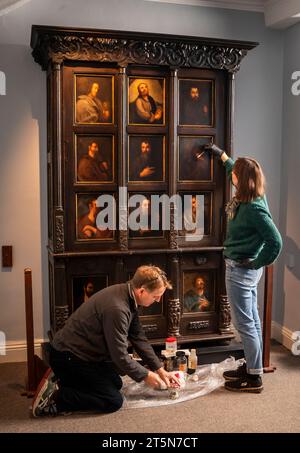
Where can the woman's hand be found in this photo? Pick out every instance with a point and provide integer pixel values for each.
(216, 151)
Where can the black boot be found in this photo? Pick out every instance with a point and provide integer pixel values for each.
(234, 375)
(248, 384)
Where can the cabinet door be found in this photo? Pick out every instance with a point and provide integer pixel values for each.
(90, 125)
(200, 293)
(200, 177)
(153, 318)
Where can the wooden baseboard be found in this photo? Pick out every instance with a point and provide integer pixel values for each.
(283, 335)
(16, 351)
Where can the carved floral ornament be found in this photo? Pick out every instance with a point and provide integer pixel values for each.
(174, 53)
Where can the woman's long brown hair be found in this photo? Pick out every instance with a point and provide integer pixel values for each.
(251, 180)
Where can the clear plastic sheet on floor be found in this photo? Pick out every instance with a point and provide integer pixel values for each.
(208, 378)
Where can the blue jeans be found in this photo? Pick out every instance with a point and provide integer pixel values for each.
(241, 286)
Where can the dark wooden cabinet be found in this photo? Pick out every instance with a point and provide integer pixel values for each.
(128, 114)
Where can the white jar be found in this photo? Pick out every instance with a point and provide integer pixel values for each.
(171, 344)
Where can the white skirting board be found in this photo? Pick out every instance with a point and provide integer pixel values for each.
(16, 351)
(282, 334)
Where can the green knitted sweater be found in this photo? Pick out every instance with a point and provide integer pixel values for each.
(251, 234)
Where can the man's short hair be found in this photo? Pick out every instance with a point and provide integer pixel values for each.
(150, 277)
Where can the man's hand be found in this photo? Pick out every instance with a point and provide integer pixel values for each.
(105, 112)
(158, 113)
(104, 165)
(89, 231)
(203, 305)
(153, 380)
(147, 171)
(169, 378)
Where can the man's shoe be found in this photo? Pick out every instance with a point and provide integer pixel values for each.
(43, 402)
(234, 375)
(247, 385)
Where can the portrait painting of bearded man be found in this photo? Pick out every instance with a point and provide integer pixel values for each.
(94, 158)
(197, 292)
(85, 286)
(196, 102)
(146, 158)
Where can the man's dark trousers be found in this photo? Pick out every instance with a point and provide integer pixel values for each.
(85, 385)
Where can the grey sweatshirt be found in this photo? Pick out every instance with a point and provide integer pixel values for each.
(99, 331)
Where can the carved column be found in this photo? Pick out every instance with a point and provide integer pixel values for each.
(225, 316)
(59, 234)
(173, 157)
(122, 140)
(61, 316)
(61, 311)
(174, 306)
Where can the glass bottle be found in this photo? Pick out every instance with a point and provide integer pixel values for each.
(181, 361)
(168, 363)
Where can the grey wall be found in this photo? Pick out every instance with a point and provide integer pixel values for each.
(23, 119)
(287, 312)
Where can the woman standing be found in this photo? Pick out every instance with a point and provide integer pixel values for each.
(252, 242)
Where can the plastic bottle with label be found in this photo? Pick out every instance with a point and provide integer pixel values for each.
(192, 365)
(171, 344)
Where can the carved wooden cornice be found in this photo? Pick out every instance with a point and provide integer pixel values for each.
(58, 44)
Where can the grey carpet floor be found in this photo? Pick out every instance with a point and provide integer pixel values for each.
(276, 409)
